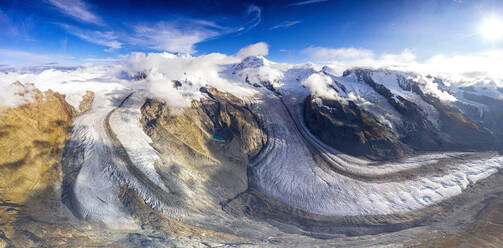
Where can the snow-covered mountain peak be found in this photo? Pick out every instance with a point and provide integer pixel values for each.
(251, 62)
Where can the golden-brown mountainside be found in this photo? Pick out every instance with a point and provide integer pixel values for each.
(222, 117)
(205, 150)
(32, 140)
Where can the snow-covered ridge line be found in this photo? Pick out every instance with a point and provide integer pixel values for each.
(361, 166)
(289, 173)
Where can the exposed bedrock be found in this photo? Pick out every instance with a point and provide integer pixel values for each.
(355, 130)
(32, 141)
(351, 129)
(204, 149)
(490, 118)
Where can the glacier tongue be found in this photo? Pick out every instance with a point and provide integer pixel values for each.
(95, 194)
(288, 173)
(125, 124)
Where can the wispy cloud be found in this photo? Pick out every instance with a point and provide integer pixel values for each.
(77, 9)
(25, 58)
(104, 38)
(175, 36)
(182, 35)
(327, 54)
(254, 13)
(179, 35)
(102, 60)
(306, 2)
(8, 26)
(285, 24)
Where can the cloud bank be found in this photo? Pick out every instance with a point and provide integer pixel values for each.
(115, 76)
(484, 65)
(217, 70)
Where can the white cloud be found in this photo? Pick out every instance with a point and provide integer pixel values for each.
(23, 58)
(178, 36)
(102, 60)
(485, 64)
(212, 70)
(328, 54)
(307, 2)
(13, 95)
(406, 56)
(161, 68)
(104, 38)
(181, 36)
(257, 49)
(77, 9)
(173, 36)
(318, 85)
(285, 24)
(479, 65)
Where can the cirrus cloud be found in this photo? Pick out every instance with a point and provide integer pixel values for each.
(105, 38)
(173, 36)
(285, 24)
(76, 9)
(307, 2)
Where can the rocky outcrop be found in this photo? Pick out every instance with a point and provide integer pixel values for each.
(349, 127)
(458, 131)
(86, 102)
(32, 140)
(204, 149)
(491, 118)
(219, 119)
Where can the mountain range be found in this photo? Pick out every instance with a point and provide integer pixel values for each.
(167, 150)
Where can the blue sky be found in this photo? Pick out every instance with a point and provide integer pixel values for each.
(76, 31)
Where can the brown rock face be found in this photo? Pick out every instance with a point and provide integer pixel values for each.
(32, 139)
(351, 129)
(204, 150)
(223, 119)
(86, 102)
